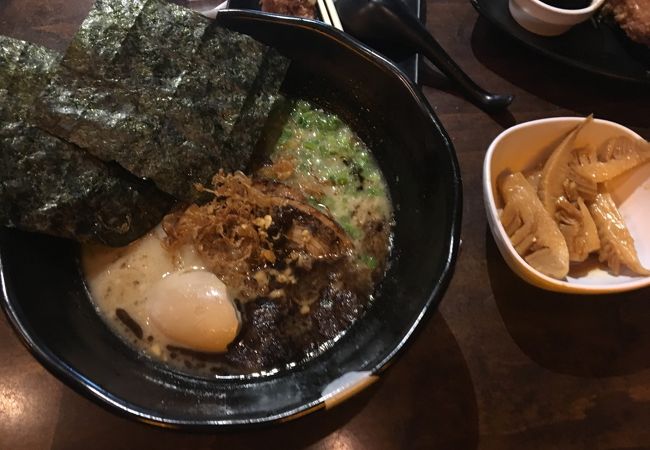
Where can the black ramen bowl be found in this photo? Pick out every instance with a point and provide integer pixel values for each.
(47, 302)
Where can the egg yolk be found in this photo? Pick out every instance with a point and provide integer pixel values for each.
(193, 310)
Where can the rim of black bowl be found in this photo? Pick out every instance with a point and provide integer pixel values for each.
(102, 397)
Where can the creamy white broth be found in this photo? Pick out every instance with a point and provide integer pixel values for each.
(129, 281)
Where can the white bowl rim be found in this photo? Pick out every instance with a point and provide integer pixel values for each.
(552, 283)
(595, 4)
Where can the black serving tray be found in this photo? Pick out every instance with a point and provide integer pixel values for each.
(596, 46)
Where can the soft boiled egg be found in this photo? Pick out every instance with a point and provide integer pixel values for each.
(193, 310)
(167, 292)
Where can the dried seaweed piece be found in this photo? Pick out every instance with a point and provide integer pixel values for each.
(115, 123)
(124, 110)
(49, 186)
(6, 103)
(10, 50)
(211, 96)
(36, 65)
(100, 37)
(112, 99)
(159, 49)
(165, 109)
(222, 76)
(24, 71)
(52, 187)
(248, 130)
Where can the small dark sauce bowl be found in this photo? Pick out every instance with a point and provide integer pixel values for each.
(47, 303)
(568, 4)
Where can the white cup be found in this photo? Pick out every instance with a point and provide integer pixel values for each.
(546, 20)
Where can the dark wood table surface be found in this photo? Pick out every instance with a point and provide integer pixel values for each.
(501, 365)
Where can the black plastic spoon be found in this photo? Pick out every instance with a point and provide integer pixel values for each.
(389, 27)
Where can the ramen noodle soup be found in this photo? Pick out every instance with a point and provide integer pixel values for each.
(270, 271)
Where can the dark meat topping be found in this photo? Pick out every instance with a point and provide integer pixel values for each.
(257, 236)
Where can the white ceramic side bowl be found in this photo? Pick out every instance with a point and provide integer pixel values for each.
(546, 20)
(526, 146)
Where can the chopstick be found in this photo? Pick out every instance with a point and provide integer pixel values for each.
(324, 13)
(329, 14)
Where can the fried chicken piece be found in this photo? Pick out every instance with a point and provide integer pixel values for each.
(298, 8)
(633, 16)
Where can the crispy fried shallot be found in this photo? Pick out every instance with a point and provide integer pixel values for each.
(258, 237)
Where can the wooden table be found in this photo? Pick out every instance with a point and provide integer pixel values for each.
(502, 365)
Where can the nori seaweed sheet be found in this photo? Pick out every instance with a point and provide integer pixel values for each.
(9, 53)
(265, 93)
(120, 111)
(222, 76)
(52, 187)
(24, 71)
(164, 104)
(100, 38)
